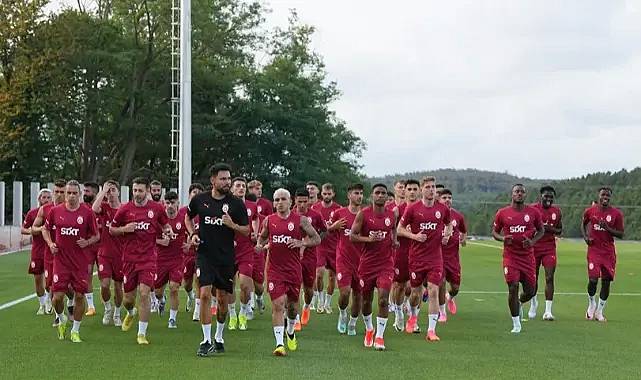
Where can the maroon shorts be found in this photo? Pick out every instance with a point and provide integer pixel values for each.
(91, 254)
(168, 271)
(432, 273)
(67, 276)
(545, 258)
(380, 280)
(602, 266)
(519, 268)
(326, 258)
(245, 263)
(308, 269)
(36, 265)
(138, 273)
(401, 265)
(110, 267)
(258, 275)
(278, 285)
(48, 273)
(347, 275)
(189, 267)
(452, 269)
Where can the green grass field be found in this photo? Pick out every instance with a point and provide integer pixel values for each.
(475, 343)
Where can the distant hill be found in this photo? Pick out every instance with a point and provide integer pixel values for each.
(478, 194)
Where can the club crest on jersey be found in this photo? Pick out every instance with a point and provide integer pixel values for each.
(591, 266)
(526, 218)
(79, 220)
(33, 264)
(290, 226)
(150, 214)
(608, 218)
(362, 283)
(413, 276)
(454, 223)
(198, 272)
(101, 267)
(249, 212)
(179, 226)
(437, 214)
(259, 208)
(339, 276)
(46, 274)
(397, 271)
(225, 207)
(554, 216)
(271, 286)
(505, 270)
(124, 279)
(55, 278)
(388, 222)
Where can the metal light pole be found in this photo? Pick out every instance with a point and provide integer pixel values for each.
(184, 170)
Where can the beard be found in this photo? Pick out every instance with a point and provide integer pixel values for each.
(88, 198)
(155, 197)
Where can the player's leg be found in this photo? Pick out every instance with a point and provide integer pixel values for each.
(174, 287)
(105, 295)
(223, 281)
(433, 285)
(91, 308)
(292, 295)
(514, 305)
(535, 303)
(607, 276)
(442, 300)
(206, 347)
(357, 304)
(594, 273)
(278, 308)
(320, 276)
(368, 297)
(398, 292)
(331, 286)
(145, 310)
(549, 292)
(231, 307)
(381, 318)
(78, 312)
(308, 267)
(246, 288)
(39, 285)
(118, 301)
(343, 302)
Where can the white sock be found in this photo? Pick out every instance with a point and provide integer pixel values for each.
(76, 326)
(61, 317)
(259, 298)
(278, 334)
(306, 306)
(381, 323)
(548, 306)
(173, 314)
(48, 295)
(244, 309)
(368, 322)
(414, 311)
(232, 310)
(107, 306)
(601, 305)
(516, 321)
(42, 299)
(432, 319)
(214, 302)
(592, 300)
(315, 297)
(220, 327)
(352, 321)
(117, 310)
(321, 299)
(142, 328)
(197, 306)
(342, 313)
(70, 302)
(252, 298)
(328, 299)
(441, 309)
(398, 313)
(290, 326)
(89, 297)
(206, 333)
(131, 311)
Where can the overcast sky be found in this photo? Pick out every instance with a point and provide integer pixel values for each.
(546, 89)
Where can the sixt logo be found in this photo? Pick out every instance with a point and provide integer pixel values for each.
(213, 221)
(144, 226)
(517, 229)
(281, 239)
(69, 231)
(597, 227)
(378, 234)
(427, 226)
(347, 232)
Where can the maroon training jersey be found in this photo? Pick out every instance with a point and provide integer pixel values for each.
(328, 244)
(347, 251)
(316, 220)
(68, 227)
(244, 244)
(377, 256)
(196, 222)
(38, 244)
(520, 224)
(140, 245)
(284, 262)
(174, 251)
(550, 216)
(458, 228)
(45, 214)
(110, 246)
(603, 241)
(264, 206)
(429, 221)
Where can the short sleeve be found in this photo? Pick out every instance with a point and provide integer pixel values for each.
(462, 227)
(119, 218)
(239, 214)
(498, 222)
(192, 209)
(406, 218)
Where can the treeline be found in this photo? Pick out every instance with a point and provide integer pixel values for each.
(85, 93)
(479, 194)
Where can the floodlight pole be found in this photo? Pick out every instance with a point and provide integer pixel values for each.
(184, 170)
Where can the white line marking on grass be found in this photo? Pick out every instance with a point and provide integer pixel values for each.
(555, 293)
(16, 251)
(23, 299)
(486, 245)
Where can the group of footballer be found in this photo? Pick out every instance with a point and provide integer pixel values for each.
(404, 243)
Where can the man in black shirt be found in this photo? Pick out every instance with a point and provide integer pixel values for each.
(221, 217)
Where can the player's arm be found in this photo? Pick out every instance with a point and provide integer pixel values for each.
(616, 231)
(115, 229)
(163, 240)
(540, 231)
(497, 229)
(238, 222)
(447, 233)
(558, 230)
(255, 227)
(46, 235)
(313, 238)
(403, 231)
(584, 229)
(97, 203)
(38, 222)
(395, 230)
(25, 229)
(355, 235)
(262, 238)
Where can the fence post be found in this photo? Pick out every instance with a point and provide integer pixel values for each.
(17, 203)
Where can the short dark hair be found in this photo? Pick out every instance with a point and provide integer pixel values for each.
(547, 188)
(313, 183)
(196, 185)
(217, 168)
(355, 186)
(440, 186)
(141, 181)
(518, 184)
(242, 179)
(401, 181)
(73, 182)
(328, 186)
(113, 182)
(412, 181)
(254, 183)
(445, 191)
(155, 183)
(171, 195)
(251, 197)
(379, 185)
(60, 182)
(606, 188)
(390, 193)
(301, 193)
(92, 185)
